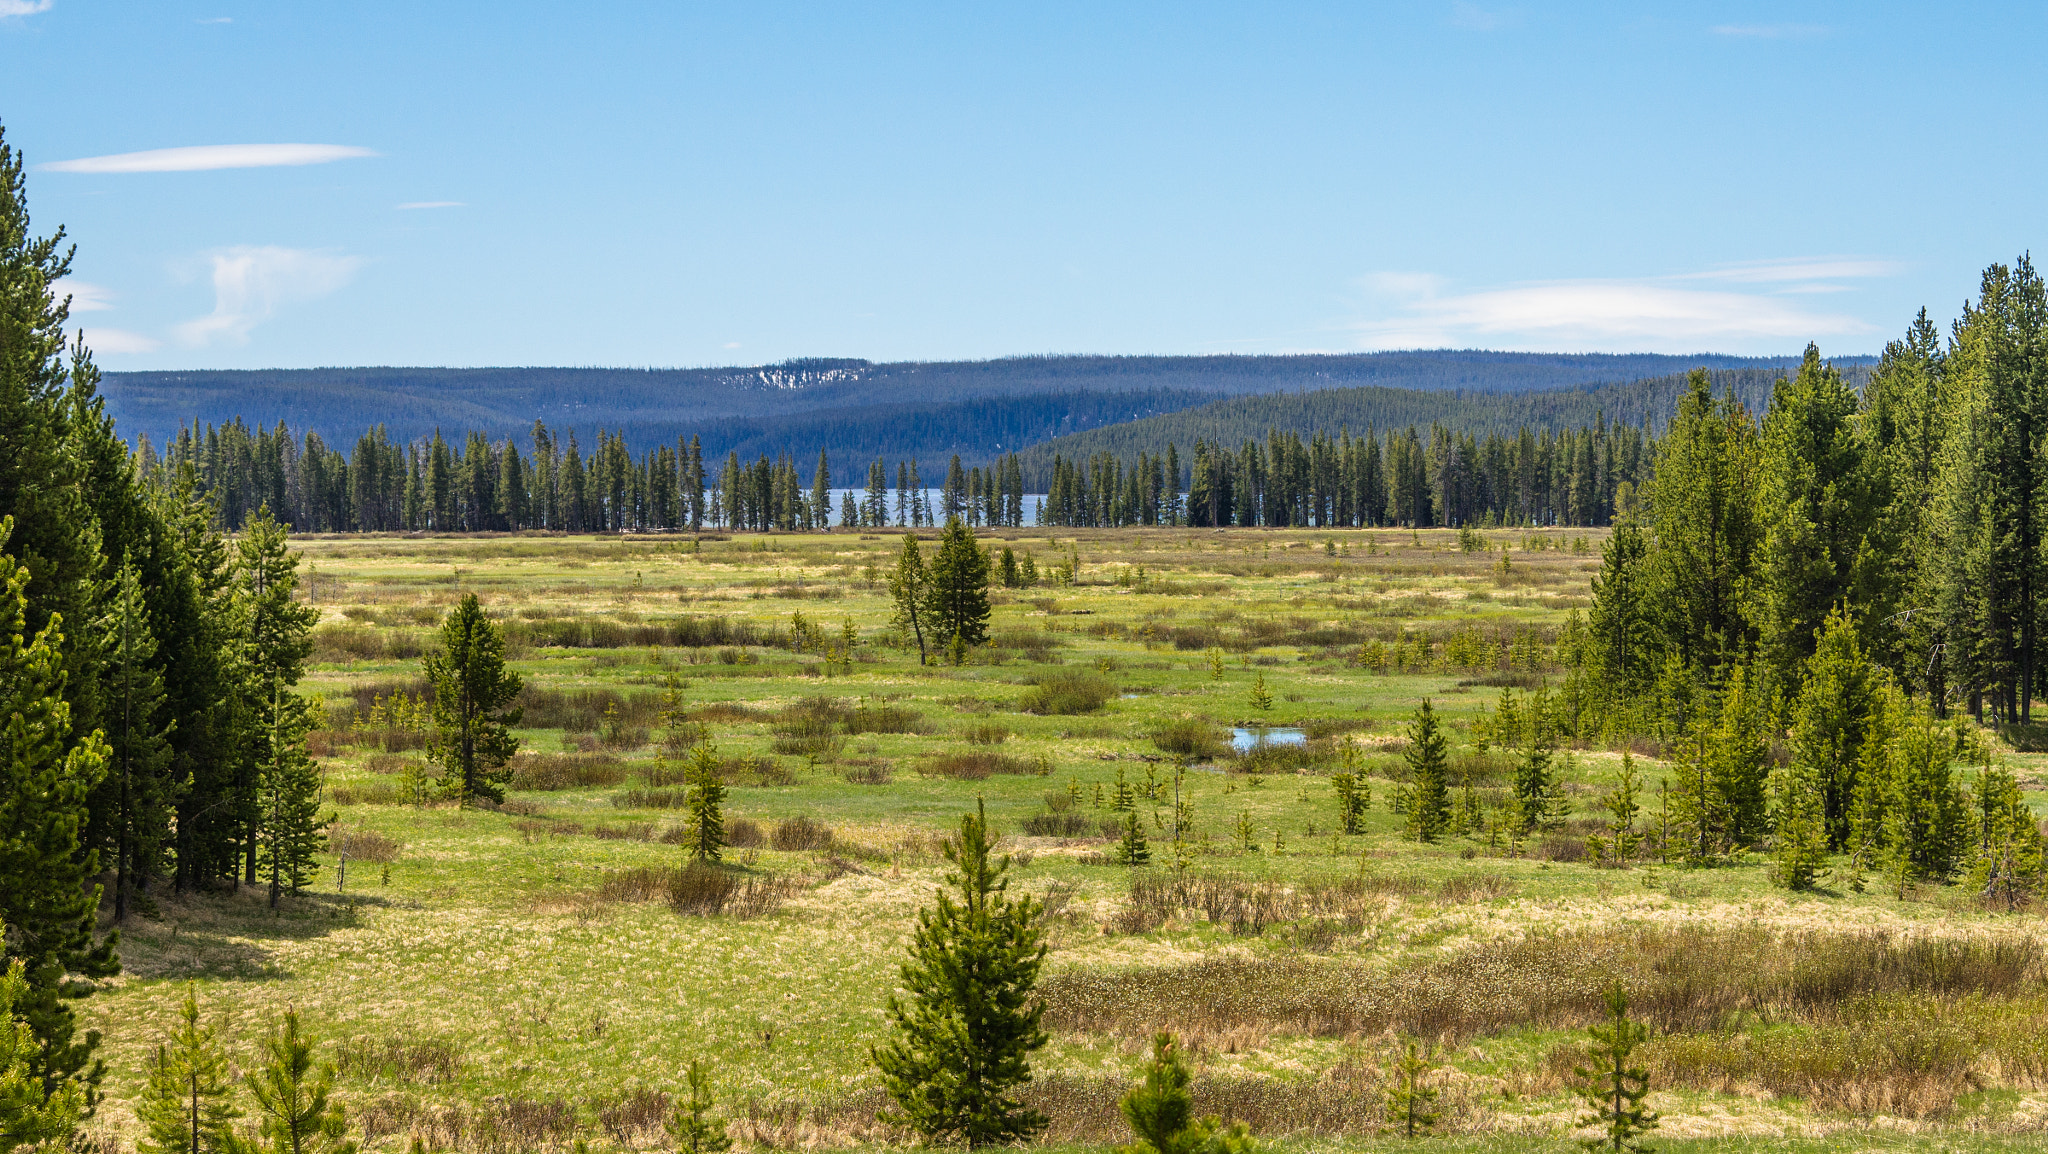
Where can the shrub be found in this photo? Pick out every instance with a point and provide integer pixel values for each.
(651, 799)
(809, 737)
(883, 719)
(375, 793)
(1066, 693)
(801, 833)
(1196, 738)
(744, 833)
(583, 710)
(975, 765)
(986, 733)
(1056, 825)
(358, 844)
(554, 771)
(867, 771)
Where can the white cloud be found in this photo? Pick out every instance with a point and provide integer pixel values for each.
(1798, 269)
(86, 297)
(1662, 314)
(207, 157)
(116, 342)
(432, 204)
(23, 7)
(251, 282)
(215, 20)
(732, 344)
(1770, 31)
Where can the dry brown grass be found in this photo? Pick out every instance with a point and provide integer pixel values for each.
(1687, 979)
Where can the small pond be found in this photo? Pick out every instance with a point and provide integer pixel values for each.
(1243, 740)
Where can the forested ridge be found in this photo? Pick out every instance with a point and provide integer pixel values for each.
(899, 410)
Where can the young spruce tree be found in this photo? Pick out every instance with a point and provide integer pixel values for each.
(1613, 1088)
(188, 1105)
(292, 1094)
(706, 800)
(959, 588)
(1160, 1111)
(473, 711)
(1429, 806)
(971, 1020)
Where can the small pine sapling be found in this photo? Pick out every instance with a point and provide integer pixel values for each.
(292, 1095)
(1121, 800)
(1247, 836)
(1131, 848)
(1215, 656)
(1411, 1104)
(964, 1043)
(706, 799)
(1160, 1112)
(1614, 1089)
(1261, 697)
(692, 1127)
(187, 1104)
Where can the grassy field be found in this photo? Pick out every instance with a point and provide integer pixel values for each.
(517, 979)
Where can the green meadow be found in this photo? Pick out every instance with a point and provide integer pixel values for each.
(524, 976)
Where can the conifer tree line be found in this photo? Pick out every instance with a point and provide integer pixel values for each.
(1805, 596)
(1573, 477)
(481, 486)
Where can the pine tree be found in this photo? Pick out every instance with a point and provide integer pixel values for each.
(473, 710)
(706, 800)
(959, 587)
(33, 1115)
(678, 734)
(45, 777)
(1622, 840)
(1121, 799)
(187, 1105)
(289, 788)
(971, 1020)
(1702, 505)
(1535, 779)
(1160, 1111)
(1131, 849)
(1429, 807)
(1830, 721)
(1614, 1089)
(1261, 697)
(910, 587)
(292, 1094)
(1816, 506)
(1625, 635)
(2007, 866)
(1411, 1104)
(276, 632)
(138, 734)
(1353, 797)
(694, 1129)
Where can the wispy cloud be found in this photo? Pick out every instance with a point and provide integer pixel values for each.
(250, 283)
(23, 7)
(1660, 314)
(118, 342)
(207, 157)
(215, 20)
(1770, 31)
(86, 297)
(431, 204)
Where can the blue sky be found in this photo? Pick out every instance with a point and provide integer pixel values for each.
(692, 184)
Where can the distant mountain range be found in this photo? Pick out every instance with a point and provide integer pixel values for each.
(857, 410)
